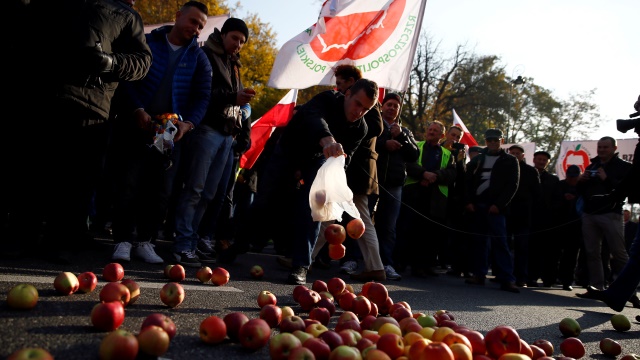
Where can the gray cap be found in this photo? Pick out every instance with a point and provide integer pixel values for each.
(493, 134)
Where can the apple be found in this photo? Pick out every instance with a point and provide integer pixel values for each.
(22, 297)
(514, 356)
(281, 345)
(477, 342)
(308, 300)
(337, 251)
(113, 272)
(177, 273)
(167, 269)
(319, 286)
(220, 276)
(327, 304)
(610, 347)
(349, 324)
(88, 282)
(107, 316)
(292, 323)
(327, 295)
(266, 297)
(418, 348)
(630, 357)
(347, 315)
(134, 290)
(234, 322)
(316, 329)
(335, 234)
(500, 340)
(254, 334)
(154, 341)
(569, 327)
(319, 348)
(344, 352)
(66, 283)
(620, 322)
(361, 306)
(172, 294)
(332, 338)
(403, 313)
(350, 337)
(366, 323)
(297, 290)
(213, 330)
(537, 352)
(355, 228)
(525, 348)
(32, 353)
(545, 345)
(572, 347)
(204, 274)
(383, 320)
(346, 301)
(301, 353)
(308, 322)
(390, 328)
(371, 335)
(378, 294)
(427, 332)
(272, 314)
(115, 291)
(336, 286)
(384, 308)
(302, 335)
(374, 310)
(391, 344)
(256, 272)
(455, 338)
(462, 352)
(119, 345)
(364, 343)
(427, 321)
(161, 320)
(287, 311)
(410, 338)
(323, 315)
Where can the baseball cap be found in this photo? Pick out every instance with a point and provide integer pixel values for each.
(475, 149)
(542, 152)
(573, 171)
(493, 134)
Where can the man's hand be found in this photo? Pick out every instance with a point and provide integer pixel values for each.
(245, 96)
(395, 130)
(330, 148)
(142, 119)
(392, 145)
(493, 210)
(183, 128)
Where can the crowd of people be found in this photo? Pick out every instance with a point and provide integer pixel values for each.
(426, 205)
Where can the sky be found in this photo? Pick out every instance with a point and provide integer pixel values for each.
(566, 46)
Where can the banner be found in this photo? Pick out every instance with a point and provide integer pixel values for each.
(467, 138)
(379, 37)
(212, 23)
(581, 152)
(262, 128)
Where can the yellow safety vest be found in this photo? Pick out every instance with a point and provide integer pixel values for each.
(444, 162)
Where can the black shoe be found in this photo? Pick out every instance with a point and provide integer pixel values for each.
(187, 258)
(592, 293)
(228, 256)
(521, 284)
(206, 258)
(635, 301)
(475, 280)
(567, 287)
(532, 284)
(298, 276)
(510, 287)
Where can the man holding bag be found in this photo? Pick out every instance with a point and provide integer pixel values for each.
(331, 124)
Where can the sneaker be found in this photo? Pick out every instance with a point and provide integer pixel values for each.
(205, 258)
(298, 276)
(187, 258)
(391, 273)
(122, 251)
(349, 267)
(144, 250)
(205, 246)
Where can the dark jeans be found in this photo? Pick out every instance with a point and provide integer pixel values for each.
(491, 236)
(385, 220)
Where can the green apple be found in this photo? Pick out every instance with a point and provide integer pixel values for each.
(620, 322)
(23, 297)
(569, 327)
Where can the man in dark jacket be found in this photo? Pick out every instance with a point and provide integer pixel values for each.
(492, 181)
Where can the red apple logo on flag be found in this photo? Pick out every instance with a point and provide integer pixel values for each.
(578, 156)
(357, 35)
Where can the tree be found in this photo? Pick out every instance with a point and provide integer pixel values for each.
(158, 12)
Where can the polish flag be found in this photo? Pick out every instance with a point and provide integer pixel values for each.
(467, 138)
(262, 128)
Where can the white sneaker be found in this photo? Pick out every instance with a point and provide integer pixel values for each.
(144, 250)
(349, 267)
(391, 273)
(122, 251)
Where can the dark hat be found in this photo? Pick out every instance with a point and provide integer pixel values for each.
(393, 96)
(475, 149)
(235, 24)
(541, 152)
(516, 146)
(493, 134)
(573, 171)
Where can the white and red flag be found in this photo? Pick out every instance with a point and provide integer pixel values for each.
(467, 138)
(377, 36)
(262, 128)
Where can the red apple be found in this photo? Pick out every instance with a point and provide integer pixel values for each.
(572, 347)
(346, 301)
(630, 357)
(308, 300)
(335, 234)
(321, 314)
(436, 350)
(536, 352)
(299, 289)
(266, 298)
(477, 342)
(344, 352)
(204, 274)
(327, 304)
(281, 345)
(350, 337)
(383, 320)
(220, 276)
(114, 291)
(374, 354)
(391, 344)
(545, 345)
(154, 341)
(361, 306)
(513, 356)
(167, 269)
(177, 273)
(256, 272)
(347, 315)
(332, 338)
(371, 335)
(22, 297)
(88, 282)
(337, 251)
(119, 345)
(525, 348)
(318, 347)
(402, 313)
(355, 228)
(292, 323)
(366, 323)
(308, 322)
(502, 339)
(254, 334)
(378, 294)
(213, 330)
(272, 314)
(349, 324)
(319, 286)
(234, 322)
(172, 294)
(610, 347)
(161, 320)
(66, 283)
(336, 286)
(301, 353)
(107, 316)
(113, 272)
(364, 343)
(134, 290)
(31, 353)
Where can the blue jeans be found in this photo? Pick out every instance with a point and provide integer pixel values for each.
(386, 218)
(205, 163)
(490, 234)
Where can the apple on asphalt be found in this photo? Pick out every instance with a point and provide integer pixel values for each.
(154, 341)
(266, 297)
(213, 330)
(500, 340)
(220, 276)
(134, 290)
(292, 323)
(254, 334)
(272, 314)
(256, 272)
(281, 345)
(177, 273)
(204, 274)
(115, 291)
(113, 272)
(88, 282)
(22, 297)
(610, 347)
(30, 353)
(572, 347)
(172, 294)
(107, 316)
(119, 345)
(569, 327)
(66, 283)
(161, 320)
(234, 322)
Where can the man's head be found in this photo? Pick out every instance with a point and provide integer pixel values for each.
(359, 99)
(607, 147)
(572, 174)
(626, 215)
(517, 151)
(190, 20)
(541, 160)
(235, 34)
(391, 105)
(454, 134)
(346, 75)
(493, 139)
(435, 132)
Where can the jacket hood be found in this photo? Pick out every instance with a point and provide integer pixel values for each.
(214, 44)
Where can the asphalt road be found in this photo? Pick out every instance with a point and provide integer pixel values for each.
(61, 324)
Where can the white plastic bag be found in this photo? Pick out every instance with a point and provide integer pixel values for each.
(330, 195)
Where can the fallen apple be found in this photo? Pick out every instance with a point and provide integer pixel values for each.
(177, 273)
(335, 234)
(88, 282)
(66, 283)
(265, 298)
(134, 289)
(115, 291)
(204, 274)
(113, 272)
(154, 341)
(119, 345)
(572, 347)
(161, 320)
(569, 327)
(22, 297)
(256, 272)
(234, 322)
(220, 276)
(30, 353)
(172, 294)
(355, 228)
(254, 334)
(213, 330)
(610, 347)
(281, 345)
(107, 316)
(620, 322)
